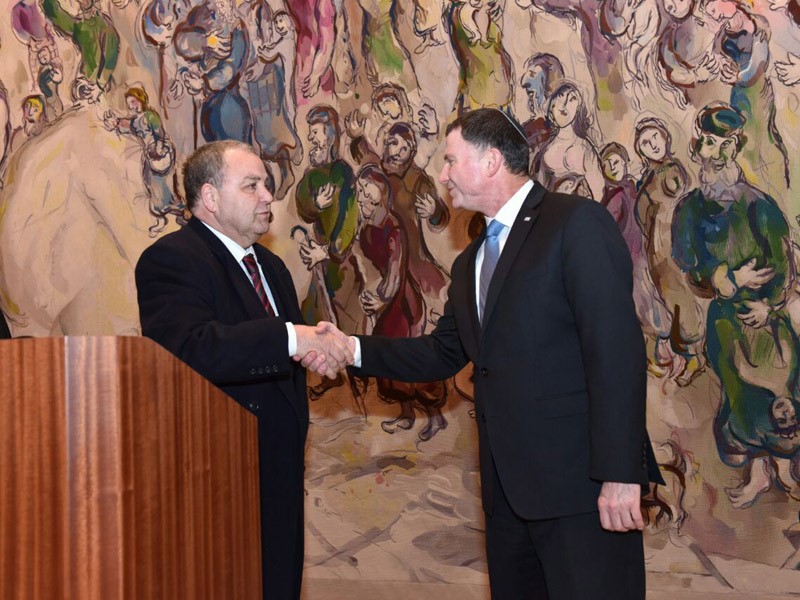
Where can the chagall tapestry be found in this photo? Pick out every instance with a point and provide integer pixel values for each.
(662, 110)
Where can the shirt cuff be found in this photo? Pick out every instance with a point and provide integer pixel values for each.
(356, 352)
(292, 338)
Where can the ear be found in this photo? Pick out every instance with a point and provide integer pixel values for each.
(493, 160)
(209, 197)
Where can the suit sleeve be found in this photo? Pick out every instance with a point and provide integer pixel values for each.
(181, 306)
(598, 282)
(431, 357)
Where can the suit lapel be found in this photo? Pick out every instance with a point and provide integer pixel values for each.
(528, 213)
(239, 281)
(244, 289)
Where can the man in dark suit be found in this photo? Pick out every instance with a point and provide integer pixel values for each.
(227, 307)
(560, 374)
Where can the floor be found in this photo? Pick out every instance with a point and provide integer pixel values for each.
(337, 589)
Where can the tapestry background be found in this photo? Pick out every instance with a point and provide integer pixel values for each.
(100, 100)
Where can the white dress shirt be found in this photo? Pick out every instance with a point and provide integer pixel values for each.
(238, 254)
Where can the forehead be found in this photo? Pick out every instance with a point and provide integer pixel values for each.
(317, 127)
(396, 138)
(366, 185)
(240, 163)
(456, 144)
(651, 133)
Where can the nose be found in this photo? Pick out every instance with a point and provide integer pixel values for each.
(443, 174)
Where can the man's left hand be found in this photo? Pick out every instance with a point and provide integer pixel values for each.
(620, 506)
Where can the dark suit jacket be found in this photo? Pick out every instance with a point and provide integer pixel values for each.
(197, 302)
(560, 363)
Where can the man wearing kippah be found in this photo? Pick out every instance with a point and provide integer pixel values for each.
(541, 305)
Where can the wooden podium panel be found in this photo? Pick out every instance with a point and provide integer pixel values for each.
(123, 474)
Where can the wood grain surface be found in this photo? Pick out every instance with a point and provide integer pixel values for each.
(123, 474)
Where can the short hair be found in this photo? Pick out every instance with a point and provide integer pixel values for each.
(719, 119)
(493, 128)
(207, 165)
(139, 94)
(550, 66)
(614, 148)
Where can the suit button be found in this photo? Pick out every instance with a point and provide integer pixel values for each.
(484, 371)
(483, 418)
(252, 371)
(252, 406)
(260, 371)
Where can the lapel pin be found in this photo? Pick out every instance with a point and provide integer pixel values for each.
(527, 218)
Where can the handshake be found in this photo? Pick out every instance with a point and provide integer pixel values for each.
(323, 348)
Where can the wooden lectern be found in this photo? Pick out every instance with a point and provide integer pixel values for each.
(123, 474)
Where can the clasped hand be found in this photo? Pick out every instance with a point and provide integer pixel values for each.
(323, 349)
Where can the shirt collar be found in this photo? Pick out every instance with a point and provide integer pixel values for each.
(235, 249)
(508, 212)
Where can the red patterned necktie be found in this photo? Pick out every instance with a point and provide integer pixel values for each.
(252, 269)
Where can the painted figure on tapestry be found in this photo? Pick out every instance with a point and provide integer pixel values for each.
(428, 24)
(635, 26)
(395, 306)
(541, 75)
(98, 43)
(385, 57)
(568, 157)
(686, 61)
(267, 85)
(325, 199)
(661, 184)
(732, 240)
(160, 18)
(213, 42)
(32, 29)
(485, 68)
(417, 204)
(584, 16)
(315, 27)
(742, 44)
(158, 153)
(390, 105)
(619, 197)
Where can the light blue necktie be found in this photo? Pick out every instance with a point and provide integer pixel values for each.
(491, 253)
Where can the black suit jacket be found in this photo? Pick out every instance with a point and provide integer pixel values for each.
(197, 302)
(560, 363)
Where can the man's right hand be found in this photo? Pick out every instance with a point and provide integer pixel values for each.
(323, 349)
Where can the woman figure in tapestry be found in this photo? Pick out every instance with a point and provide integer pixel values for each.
(569, 151)
(662, 183)
(158, 153)
(395, 306)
